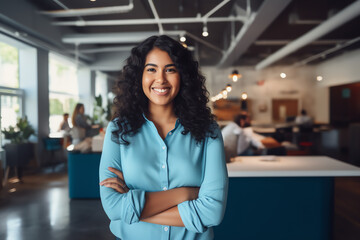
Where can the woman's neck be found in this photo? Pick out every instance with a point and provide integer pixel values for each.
(161, 114)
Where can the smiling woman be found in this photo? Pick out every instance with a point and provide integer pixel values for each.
(162, 170)
(161, 79)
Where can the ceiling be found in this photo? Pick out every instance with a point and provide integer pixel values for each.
(258, 33)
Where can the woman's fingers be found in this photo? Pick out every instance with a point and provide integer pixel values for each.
(116, 184)
(116, 187)
(117, 172)
(114, 180)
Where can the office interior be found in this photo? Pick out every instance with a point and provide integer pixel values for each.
(271, 59)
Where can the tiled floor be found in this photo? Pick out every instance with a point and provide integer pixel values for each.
(40, 209)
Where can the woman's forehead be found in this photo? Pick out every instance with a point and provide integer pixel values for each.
(157, 55)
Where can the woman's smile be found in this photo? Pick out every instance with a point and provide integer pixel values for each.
(161, 91)
(161, 79)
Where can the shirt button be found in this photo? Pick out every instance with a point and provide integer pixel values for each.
(166, 229)
(163, 147)
(164, 188)
(170, 133)
(163, 166)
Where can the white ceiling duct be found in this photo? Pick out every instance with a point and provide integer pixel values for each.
(90, 11)
(347, 14)
(253, 27)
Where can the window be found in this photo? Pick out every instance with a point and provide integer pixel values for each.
(11, 97)
(63, 89)
(101, 88)
(9, 66)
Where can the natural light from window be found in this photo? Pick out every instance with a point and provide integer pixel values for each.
(63, 89)
(10, 94)
(9, 66)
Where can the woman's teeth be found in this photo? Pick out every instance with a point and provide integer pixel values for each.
(161, 90)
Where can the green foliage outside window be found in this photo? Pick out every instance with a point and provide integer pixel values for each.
(8, 54)
(56, 107)
(9, 66)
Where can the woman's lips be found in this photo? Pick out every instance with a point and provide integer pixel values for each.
(161, 91)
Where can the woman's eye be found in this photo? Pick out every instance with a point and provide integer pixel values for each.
(172, 70)
(150, 70)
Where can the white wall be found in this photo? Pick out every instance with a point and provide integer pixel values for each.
(299, 84)
(343, 69)
(340, 70)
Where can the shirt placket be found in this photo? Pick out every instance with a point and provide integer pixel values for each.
(164, 176)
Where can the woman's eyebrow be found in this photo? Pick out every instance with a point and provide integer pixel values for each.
(154, 65)
(150, 64)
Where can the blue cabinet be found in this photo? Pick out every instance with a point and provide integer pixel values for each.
(83, 171)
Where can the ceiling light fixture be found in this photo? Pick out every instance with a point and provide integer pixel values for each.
(205, 32)
(182, 39)
(228, 87)
(282, 75)
(235, 75)
(244, 96)
(319, 78)
(184, 45)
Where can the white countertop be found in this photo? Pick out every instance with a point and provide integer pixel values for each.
(290, 166)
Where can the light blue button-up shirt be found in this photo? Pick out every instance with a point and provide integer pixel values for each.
(151, 164)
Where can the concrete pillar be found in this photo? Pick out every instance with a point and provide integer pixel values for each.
(34, 79)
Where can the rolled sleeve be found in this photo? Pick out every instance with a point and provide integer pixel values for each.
(118, 206)
(208, 210)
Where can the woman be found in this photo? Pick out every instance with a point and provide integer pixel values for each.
(80, 124)
(162, 170)
(81, 127)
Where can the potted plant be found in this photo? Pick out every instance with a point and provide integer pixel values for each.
(101, 116)
(19, 151)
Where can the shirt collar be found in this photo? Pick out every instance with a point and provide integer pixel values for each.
(176, 123)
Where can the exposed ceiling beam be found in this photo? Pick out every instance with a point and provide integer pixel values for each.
(147, 21)
(347, 14)
(107, 49)
(93, 38)
(124, 37)
(327, 52)
(90, 11)
(216, 8)
(204, 42)
(284, 42)
(156, 15)
(252, 29)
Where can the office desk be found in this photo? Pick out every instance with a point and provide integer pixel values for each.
(291, 198)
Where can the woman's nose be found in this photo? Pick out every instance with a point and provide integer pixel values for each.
(160, 78)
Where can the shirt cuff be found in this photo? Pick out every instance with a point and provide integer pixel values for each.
(190, 218)
(136, 204)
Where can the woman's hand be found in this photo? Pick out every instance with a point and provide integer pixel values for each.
(116, 183)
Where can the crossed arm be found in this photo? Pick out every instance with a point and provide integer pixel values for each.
(160, 207)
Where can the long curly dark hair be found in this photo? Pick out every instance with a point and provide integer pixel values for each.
(189, 104)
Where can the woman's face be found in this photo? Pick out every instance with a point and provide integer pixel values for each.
(81, 110)
(161, 79)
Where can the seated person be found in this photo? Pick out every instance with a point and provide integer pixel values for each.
(303, 119)
(64, 125)
(240, 140)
